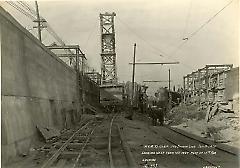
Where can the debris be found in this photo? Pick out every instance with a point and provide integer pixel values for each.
(99, 117)
(227, 108)
(213, 111)
(219, 126)
(134, 127)
(207, 114)
(48, 133)
(91, 108)
(23, 154)
(185, 125)
(32, 149)
(222, 141)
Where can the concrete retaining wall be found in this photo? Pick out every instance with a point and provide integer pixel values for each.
(37, 88)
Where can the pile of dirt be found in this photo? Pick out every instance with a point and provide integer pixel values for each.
(222, 127)
(183, 113)
(226, 128)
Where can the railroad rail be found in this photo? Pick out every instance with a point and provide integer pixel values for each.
(65, 144)
(218, 156)
(99, 141)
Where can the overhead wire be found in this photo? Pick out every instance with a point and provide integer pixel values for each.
(209, 20)
(51, 31)
(188, 38)
(90, 34)
(200, 28)
(31, 13)
(18, 8)
(27, 7)
(187, 19)
(165, 54)
(140, 37)
(195, 32)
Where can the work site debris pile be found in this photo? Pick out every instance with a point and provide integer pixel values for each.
(216, 121)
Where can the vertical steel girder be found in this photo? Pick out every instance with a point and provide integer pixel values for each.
(108, 54)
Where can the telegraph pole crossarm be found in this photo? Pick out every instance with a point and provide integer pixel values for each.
(154, 63)
(39, 23)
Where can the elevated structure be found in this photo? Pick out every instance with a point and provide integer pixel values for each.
(108, 54)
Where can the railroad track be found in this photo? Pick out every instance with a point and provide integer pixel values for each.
(97, 144)
(209, 152)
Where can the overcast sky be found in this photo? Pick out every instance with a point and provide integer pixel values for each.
(157, 26)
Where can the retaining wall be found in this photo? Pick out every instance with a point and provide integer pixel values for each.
(37, 89)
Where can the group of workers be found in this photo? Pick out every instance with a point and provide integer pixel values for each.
(157, 108)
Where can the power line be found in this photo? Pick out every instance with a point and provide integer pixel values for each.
(187, 19)
(169, 58)
(140, 37)
(21, 10)
(90, 34)
(31, 16)
(27, 7)
(200, 28)
(209, 20)
(31, 13)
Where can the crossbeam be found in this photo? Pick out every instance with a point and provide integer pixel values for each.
(70, 55)
(148, 81)
(220, 65)
(64, 47)
(154, 63)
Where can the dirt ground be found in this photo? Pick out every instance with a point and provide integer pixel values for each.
(140, 134)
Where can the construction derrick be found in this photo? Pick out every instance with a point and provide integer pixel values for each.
(108, 54)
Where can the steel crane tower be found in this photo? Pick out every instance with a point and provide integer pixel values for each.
(108, 54)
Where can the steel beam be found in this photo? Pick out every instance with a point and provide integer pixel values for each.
(70, 55)
(219, 65)
(64, 47)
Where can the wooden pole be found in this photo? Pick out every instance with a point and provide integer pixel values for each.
(39, 22)
(133, 75)
(169, 79)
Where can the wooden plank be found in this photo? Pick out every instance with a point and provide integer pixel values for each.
(55, 155)
(207, 114)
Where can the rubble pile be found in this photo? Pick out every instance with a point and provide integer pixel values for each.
(183, 113)
(217, 121)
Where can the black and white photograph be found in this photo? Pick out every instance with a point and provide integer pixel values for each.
(120, 83)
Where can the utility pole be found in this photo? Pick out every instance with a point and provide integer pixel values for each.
(169, 87)
(38, 22)
(157, 63)
(133, 75)
(83, 88)
(169, 79)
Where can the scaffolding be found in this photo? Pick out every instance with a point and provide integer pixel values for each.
(206, 84)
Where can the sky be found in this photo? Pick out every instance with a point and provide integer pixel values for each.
(156, 26)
